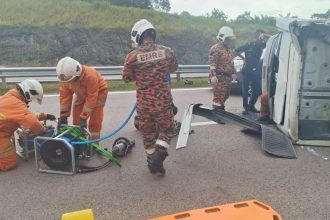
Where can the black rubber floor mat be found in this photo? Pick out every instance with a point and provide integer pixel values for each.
(276, 143)
(221, 117)
(251, 115)
(242, 121)
(251, 132)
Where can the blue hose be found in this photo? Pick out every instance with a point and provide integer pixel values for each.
(112, 133)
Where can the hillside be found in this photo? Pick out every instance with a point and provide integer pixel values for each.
(38, 32)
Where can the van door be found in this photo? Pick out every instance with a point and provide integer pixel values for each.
(282, 78)
(270, 69)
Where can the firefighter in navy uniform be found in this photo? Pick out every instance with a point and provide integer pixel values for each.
(149, 66)
(222, 66)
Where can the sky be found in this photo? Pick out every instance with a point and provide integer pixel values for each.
(300, 8)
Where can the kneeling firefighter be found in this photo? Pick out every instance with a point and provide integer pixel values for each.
(90, 90)
(14, 113)
(149, 65)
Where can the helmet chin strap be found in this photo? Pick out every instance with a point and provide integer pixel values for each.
(20, 91)
(75, 79)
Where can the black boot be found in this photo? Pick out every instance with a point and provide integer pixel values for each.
(253, 109)
(246, 111)
(155, 161)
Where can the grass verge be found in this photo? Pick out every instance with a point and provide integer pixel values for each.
(116, 85)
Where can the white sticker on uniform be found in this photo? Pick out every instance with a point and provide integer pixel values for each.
(151, 56)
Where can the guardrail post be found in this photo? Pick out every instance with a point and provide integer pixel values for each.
(178, 78)
(3, 79)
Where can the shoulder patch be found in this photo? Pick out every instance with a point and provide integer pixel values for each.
(2, 117)
(151, 56)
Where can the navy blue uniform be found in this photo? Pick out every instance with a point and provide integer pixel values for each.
(250, 73)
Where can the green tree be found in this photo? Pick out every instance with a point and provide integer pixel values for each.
(163, 5)
(219, 14)
(244, 18)
(146, 4)
(263, 19)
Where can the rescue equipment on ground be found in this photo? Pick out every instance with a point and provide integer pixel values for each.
(121, 146)
(112, 133)
(252, 209)
(23, 141)
(86, 214)
(62, 153)
(61, 156)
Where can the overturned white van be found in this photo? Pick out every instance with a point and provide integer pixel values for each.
(296, 76)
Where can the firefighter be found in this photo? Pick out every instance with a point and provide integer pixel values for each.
(90, 90)
(14, 113)
(149, 65)
(222, 66)
(264, 109)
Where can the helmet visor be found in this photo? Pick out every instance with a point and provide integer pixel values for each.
(64, 78)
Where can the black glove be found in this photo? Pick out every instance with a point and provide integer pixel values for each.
(62, 121)
(51, 117)
(83, 124)
(175, 109)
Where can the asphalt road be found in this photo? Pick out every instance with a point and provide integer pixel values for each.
(221, 165)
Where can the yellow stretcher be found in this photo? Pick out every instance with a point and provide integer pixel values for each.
(252, 209)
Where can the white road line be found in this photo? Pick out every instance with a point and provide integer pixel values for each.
(133, 91)
(203, 123)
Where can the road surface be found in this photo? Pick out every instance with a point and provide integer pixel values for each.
(220, 165)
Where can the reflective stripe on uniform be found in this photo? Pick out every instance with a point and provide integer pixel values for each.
(78, 102)
(2, 117)
(150, 151)
(95, 133)
(64, 107)
(100, 101)
(86, 109)
(7, 152)
(162, 143)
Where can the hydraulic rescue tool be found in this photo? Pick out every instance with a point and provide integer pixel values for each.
(61, 156)
(121, 146)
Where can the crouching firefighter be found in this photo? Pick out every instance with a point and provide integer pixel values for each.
(90, 90)
(14, 113)
(149, 65)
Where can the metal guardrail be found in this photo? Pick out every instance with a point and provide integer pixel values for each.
(39, 72)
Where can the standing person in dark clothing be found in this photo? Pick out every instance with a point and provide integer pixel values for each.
(250, 73)
(149, 66)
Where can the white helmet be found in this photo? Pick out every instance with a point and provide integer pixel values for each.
(67, 69)
(31, 89)
(139, 28)
(225, 32)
